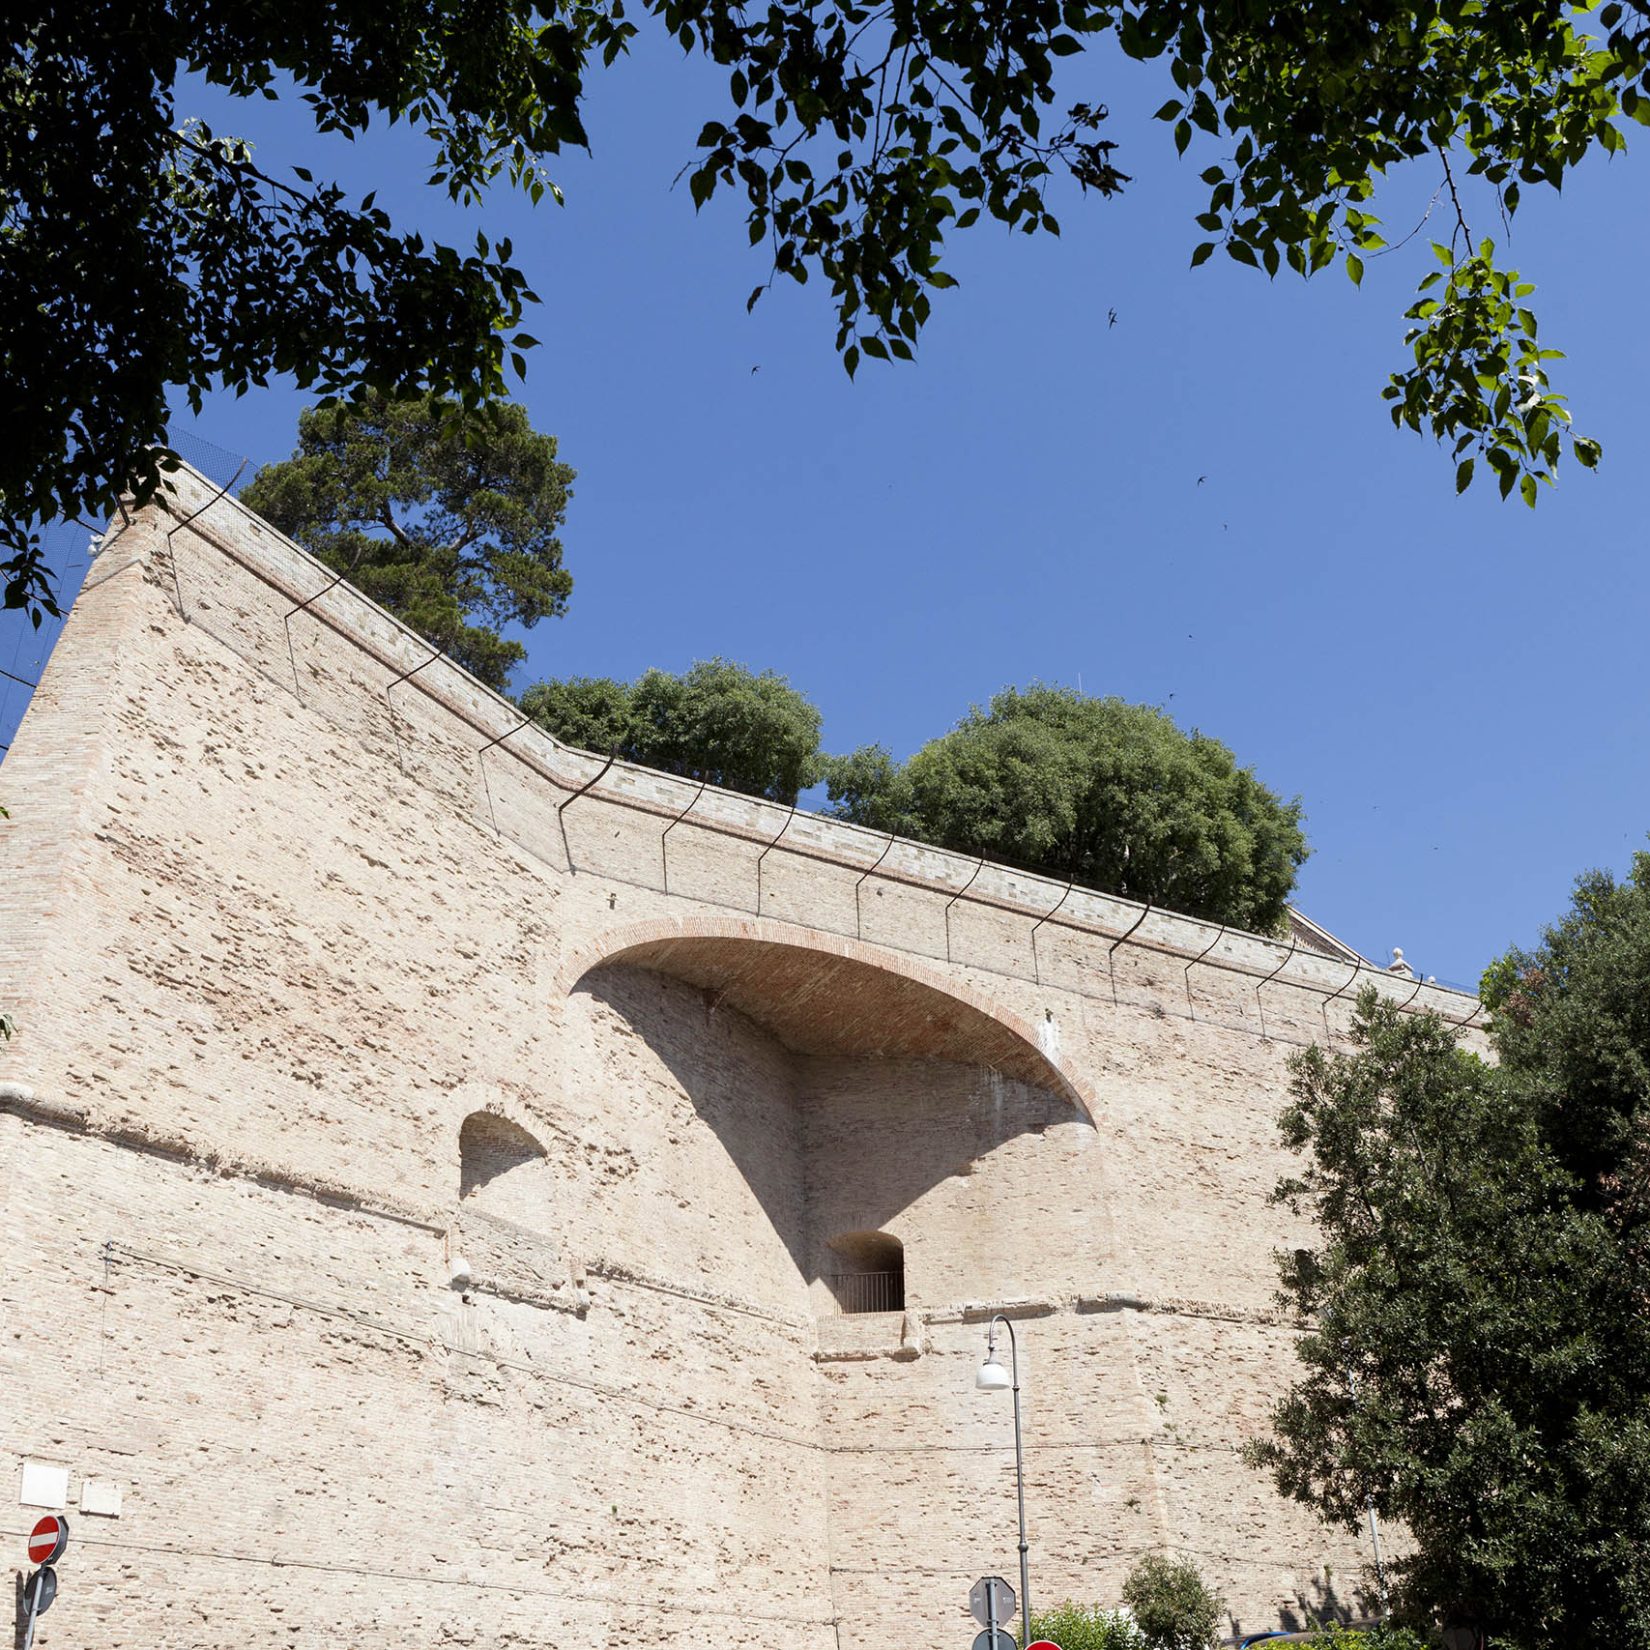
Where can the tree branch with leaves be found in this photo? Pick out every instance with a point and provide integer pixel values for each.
(861, 138)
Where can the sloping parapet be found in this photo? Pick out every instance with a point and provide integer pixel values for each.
(383, 686)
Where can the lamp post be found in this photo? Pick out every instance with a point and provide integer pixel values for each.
(992, 1377)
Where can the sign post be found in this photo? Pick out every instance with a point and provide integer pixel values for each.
(46, 1543)
(991, 1600)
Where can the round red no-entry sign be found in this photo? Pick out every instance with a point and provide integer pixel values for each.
(48, 1539)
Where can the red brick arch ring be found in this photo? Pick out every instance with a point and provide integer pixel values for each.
(820, 992)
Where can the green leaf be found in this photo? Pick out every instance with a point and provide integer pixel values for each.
(1528, 488)
(1201, 254)
(1355, 268)
(1463, 475)
(1587, 451)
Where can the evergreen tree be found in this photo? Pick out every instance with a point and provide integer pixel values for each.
(719, 721)
(446, 517)
(1111, 794)
(1479, 1362)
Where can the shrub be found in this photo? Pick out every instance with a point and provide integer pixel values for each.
(1382, 1637)
(1171, 1605)
(1087, 1627)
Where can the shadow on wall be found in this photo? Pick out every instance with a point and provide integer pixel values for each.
(879, 1137)
(735, 1077)
(503, 1171)
(831, 1145)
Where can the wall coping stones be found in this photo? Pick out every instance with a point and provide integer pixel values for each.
(572, 775)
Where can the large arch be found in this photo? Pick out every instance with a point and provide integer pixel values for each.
(823, 993)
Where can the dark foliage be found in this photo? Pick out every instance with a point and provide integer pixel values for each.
(719, 721)
(1480, 1365)
(445, 516)
(857, 135)
(1111, 794)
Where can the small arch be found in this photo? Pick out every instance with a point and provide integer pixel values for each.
(870, 1274)
(502, 1169)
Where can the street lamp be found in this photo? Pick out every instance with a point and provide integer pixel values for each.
(992, 1377)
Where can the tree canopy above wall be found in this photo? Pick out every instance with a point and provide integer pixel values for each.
(446, 516)
(858, 136)
(1110, 795)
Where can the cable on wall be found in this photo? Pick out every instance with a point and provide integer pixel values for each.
(1111, 952)
(1036, 967)
(1357, 969)
(768, 850)
(664, 835)
(221, 1555)
(171, 554)
(1260, 1002)
(496, 740)
(859, 882)
(561, 808)
(1191, 1007)
(957, 896)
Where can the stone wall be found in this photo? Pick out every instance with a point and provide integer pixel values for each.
(329, 975)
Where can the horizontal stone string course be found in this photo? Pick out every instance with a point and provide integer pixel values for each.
(208, 1554)
(21, 1100)
(421, 1343)
(1126, 1552)
(616, 1272)
(1067, 1446)
(136, 1134)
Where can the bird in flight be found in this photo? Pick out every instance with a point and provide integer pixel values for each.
(1111, 319)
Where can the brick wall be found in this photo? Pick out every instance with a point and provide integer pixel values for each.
(327, 973)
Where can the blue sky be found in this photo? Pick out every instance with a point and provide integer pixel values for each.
(1456, 687)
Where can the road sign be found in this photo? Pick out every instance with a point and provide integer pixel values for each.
(979, 1601)
(1043, 1644)
(48, 1539)
(993, 1641)
(39, 1590)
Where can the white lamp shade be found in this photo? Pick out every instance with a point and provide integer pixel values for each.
(992, 1377)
